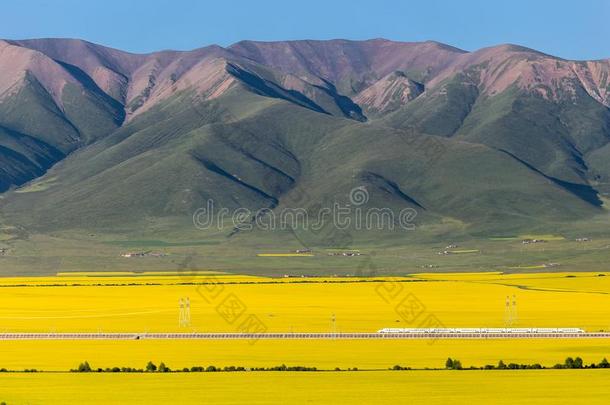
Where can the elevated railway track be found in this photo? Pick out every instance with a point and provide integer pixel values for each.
(300, 335)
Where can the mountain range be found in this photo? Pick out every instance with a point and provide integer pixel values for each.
(502, 138)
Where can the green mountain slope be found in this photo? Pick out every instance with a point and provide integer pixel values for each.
(247, 151)
(500, 140)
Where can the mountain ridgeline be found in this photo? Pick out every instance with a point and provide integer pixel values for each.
(95, 138)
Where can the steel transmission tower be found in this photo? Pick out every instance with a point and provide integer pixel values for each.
(184, 312)
(510, 312)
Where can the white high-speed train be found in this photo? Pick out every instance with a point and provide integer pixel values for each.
(479, 330)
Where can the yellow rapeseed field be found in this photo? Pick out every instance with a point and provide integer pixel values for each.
(398, 387)
(323, 354)
(147, 303)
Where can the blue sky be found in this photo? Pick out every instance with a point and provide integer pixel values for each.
(570, 29)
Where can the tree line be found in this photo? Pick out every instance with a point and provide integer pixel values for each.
(151, 367)
(454, 364)
(450, 364)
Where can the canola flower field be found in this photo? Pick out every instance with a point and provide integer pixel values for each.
(149, 302)
(54, 355)
(431, 387)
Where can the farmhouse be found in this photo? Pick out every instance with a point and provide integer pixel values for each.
(143, 254)
(529, 241)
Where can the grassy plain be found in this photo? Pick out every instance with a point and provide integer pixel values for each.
(431, 387)
(400, 254)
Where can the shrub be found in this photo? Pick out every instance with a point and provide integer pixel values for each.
(449, 363)
(573, 363)
(399, 367)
